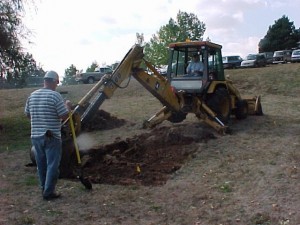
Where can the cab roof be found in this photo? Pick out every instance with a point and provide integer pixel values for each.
(197, 44)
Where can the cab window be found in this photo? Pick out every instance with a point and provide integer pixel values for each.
(215, 65)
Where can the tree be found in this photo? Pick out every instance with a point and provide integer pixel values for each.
(186, 26)
(114, 65)
(70, 73)
(92, 67)
(10, 30)
(21, 65)
(282, 35)
(10, 23)
(14, 63)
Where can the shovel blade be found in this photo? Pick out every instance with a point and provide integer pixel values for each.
(86, 182)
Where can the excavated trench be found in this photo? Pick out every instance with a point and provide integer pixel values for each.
(146, 159)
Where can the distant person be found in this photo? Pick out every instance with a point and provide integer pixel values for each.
(46, 109)
(195, 67)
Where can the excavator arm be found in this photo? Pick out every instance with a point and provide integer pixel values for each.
(105, 88)
(205, 97)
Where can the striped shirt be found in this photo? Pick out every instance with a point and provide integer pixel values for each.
(45, 107)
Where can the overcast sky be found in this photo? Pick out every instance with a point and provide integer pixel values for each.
(69, 32)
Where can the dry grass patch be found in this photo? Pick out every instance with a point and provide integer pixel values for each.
(248, 177)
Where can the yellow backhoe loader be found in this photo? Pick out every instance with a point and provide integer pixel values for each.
(208, 95)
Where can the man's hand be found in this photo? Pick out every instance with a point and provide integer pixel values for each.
(197, 73)
(68, 104)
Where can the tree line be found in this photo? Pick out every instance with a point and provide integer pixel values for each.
(16, 64)
(282, 35)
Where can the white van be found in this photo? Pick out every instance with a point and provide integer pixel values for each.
(282, 56)
(295, 56)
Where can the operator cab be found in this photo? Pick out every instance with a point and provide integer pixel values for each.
(181, 54)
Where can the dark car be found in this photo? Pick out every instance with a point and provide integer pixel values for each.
(254, 60)
(231, 62)
(268, 56)
(91, 77)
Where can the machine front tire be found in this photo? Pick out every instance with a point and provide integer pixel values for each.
(177, 117)
(220, 103)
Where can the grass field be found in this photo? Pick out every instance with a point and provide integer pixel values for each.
(249, 177)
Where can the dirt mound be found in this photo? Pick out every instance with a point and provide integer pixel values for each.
(103, 121)
(147, 159)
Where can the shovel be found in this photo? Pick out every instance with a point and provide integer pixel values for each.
(84, 181)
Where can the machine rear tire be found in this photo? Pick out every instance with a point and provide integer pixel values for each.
(32, 156)
(220, 103)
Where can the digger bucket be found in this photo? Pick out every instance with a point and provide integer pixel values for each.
(254, 105)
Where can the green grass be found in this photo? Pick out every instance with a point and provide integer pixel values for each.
(26, 220)
(15, 134)
(225, 187)
(54, 212)
(30, 180)
(27, 180)
(261, 219)
(156, 208)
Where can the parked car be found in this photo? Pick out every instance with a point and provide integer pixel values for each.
(254, 60)
(231, 62)
(180, 69)
(268, 56)
(282, 56)
(163, 70)
(295, 56)
(91, 77)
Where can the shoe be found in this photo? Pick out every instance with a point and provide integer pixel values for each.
(52, 196)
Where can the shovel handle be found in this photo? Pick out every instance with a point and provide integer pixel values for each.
(74, 137)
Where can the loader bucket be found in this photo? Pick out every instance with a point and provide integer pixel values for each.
(254, 105)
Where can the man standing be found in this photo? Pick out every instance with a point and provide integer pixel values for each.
(195, 68)
(46, 108)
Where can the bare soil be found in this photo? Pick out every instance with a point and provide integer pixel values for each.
(174, 174)
(146, 159)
